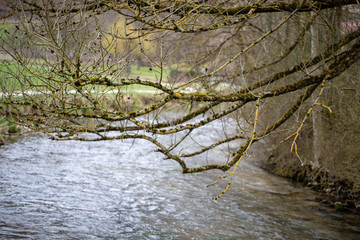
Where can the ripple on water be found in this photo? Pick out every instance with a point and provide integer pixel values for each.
(74, 190)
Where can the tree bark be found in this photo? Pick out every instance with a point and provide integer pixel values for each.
(316, 113)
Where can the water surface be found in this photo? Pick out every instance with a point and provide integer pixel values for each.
(121, 190)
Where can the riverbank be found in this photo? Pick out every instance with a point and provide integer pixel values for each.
(338, 193)
(10, 132)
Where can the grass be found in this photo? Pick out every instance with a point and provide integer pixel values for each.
(149, 73)
(14, 75)
(7, 122)
(7, 25)
(137, 89)
(9, 71)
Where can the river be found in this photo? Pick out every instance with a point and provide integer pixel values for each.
(121, 190)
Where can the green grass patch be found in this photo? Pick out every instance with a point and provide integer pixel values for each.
(137, 89)
(8, 121)
(149, 73)
(14, 77)
(6, 28)
(34, 78)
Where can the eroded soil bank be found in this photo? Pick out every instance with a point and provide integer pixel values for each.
(339, 193)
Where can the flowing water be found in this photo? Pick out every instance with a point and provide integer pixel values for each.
(117, 190)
